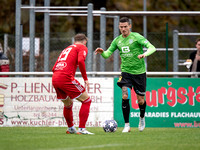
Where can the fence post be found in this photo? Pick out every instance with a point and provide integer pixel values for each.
(21, 50)
(46, 37)
(144, 19)
(5, 44)
(102, 38)
(90, 36)
(32, 37)
(116, 53)
(17, 33)
(175, 52)
(145, 28)
(166, 40)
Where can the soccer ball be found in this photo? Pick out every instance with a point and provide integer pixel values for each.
(110, 126)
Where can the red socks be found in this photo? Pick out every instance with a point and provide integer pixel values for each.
(68, 114)
(84, 112)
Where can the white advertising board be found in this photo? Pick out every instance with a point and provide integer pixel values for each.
(29, 101)
(26, 46)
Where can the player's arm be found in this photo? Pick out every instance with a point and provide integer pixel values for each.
(99, 50)
(104, 54)
(150, 48)
(81, 62)
(87, 84)
(82, 68)
(108, 52)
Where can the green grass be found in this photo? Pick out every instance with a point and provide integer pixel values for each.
(50, 138)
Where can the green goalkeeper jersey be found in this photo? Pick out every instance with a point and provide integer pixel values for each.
(129, 48)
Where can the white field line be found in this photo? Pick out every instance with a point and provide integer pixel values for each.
(90, 147)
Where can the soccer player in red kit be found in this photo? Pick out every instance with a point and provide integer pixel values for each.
(68, 88)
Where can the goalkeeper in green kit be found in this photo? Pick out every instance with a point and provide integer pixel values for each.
(130, 45)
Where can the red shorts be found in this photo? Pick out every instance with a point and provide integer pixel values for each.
(65, 88)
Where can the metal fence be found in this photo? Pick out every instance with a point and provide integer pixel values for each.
(88, 12)
(59, 41)
(105, 74)
(184, 44)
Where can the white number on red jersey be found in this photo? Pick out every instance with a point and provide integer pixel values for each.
(64, 54)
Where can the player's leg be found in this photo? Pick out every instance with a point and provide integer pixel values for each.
(85, 109)
(66, 91)
(125, 84)
(142, 106)
(76, 91)
(61, 91)
(140, 89)
(84, 112)
(68, 115)
(126, 93)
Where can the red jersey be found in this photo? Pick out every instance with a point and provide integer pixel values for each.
(68, 61)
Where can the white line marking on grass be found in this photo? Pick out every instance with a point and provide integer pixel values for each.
(95, 146)
(91, 147)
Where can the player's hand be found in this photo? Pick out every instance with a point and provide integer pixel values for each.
(99, 50)
(87, 86)
(141, 56)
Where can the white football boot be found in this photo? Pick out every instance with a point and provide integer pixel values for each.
(83, 131)
(71, 130)
(126, 128)
(141, 124)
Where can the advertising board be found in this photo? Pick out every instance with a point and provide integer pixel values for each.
(33, 102)
(171, 102)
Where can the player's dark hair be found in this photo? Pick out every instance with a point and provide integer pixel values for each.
(80, 37)
(125, 19)
(197, 40)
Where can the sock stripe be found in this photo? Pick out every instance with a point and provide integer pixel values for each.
(87, 100)
(68, 106)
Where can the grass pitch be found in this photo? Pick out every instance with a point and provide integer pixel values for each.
(54, 138)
